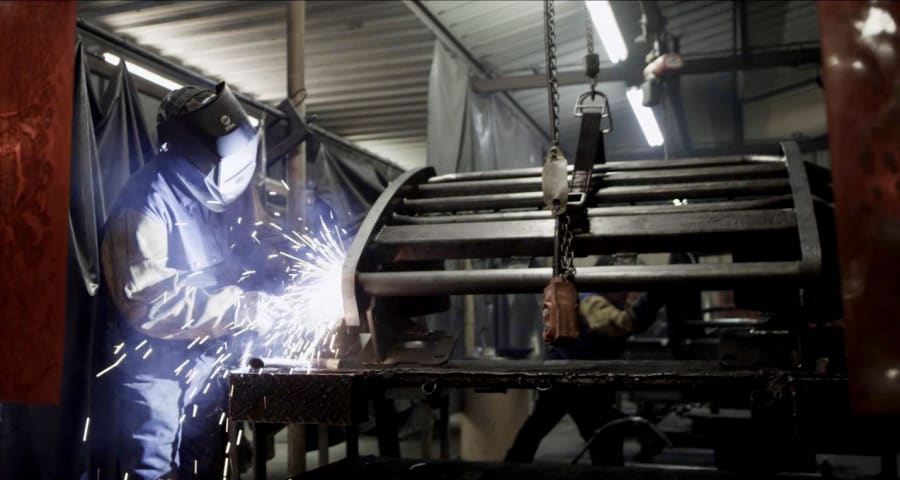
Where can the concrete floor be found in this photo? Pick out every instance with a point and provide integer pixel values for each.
(560, 446)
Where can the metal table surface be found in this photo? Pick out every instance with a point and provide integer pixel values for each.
(336, 396)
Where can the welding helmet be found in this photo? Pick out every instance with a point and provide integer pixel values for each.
(215, 143)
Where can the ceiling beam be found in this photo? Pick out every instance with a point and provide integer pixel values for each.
(450, 41)
(630, 70)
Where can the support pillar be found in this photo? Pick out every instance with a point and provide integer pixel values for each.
(296, 179)
(296, 81)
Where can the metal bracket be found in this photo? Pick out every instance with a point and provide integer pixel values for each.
(296, 133)
(807, 227)
(603, 109)
(420, 348)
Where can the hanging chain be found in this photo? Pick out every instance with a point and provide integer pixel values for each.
(588, 32)
(553, 84)
(564, 257)
(591, 60)
(567, 260)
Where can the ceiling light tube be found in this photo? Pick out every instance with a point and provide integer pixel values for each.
(608, 29)
(142, 72)
(154, 77)
(645, 117)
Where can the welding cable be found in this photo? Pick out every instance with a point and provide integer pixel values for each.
(635, 420)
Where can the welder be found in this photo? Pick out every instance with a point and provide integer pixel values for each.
(605, 321)
(177, 290)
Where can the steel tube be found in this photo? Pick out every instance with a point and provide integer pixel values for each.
(613, 178)
(608, 194)
(296, 178)
(614, 278)
(296, 83)
(614, 166)
(694, 190)
(782, 201)
(720, 231)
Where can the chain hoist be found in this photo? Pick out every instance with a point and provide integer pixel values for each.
(560, 308)
(592, 71)
(591, 60)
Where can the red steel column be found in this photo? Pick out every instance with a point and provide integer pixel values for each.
(36, 69)
(860, 55)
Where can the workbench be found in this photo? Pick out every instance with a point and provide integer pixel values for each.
(339, 396)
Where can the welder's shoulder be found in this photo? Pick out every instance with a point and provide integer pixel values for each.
(146, 192)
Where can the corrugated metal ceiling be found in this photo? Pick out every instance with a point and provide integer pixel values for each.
(507, 36)
(366, 63)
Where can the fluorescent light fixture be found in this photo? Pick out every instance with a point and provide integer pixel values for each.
(142, 72)
(645, 117)
(154, 77)
(605, 25)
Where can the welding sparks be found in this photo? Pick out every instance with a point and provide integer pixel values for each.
(180, 367)
(311, 306)
(87, 425)
(114, 365)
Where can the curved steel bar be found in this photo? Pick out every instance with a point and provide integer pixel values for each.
(807, 227)
(378, 215)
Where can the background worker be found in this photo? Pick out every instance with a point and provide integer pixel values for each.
(605, 322)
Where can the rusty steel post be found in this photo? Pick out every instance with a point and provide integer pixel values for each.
(36, 78)
(296, 81)
(860, 54)
(296, 178)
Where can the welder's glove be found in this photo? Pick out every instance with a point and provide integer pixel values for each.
(262, 311)
(604, 318)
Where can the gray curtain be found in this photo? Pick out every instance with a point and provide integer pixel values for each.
(472, 132)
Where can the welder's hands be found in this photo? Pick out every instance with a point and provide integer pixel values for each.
(263, 311)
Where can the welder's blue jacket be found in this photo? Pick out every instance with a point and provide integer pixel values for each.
(169, 262)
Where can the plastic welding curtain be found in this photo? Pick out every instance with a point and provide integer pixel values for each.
(123, 144)
(345, 182)
(471, 132)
